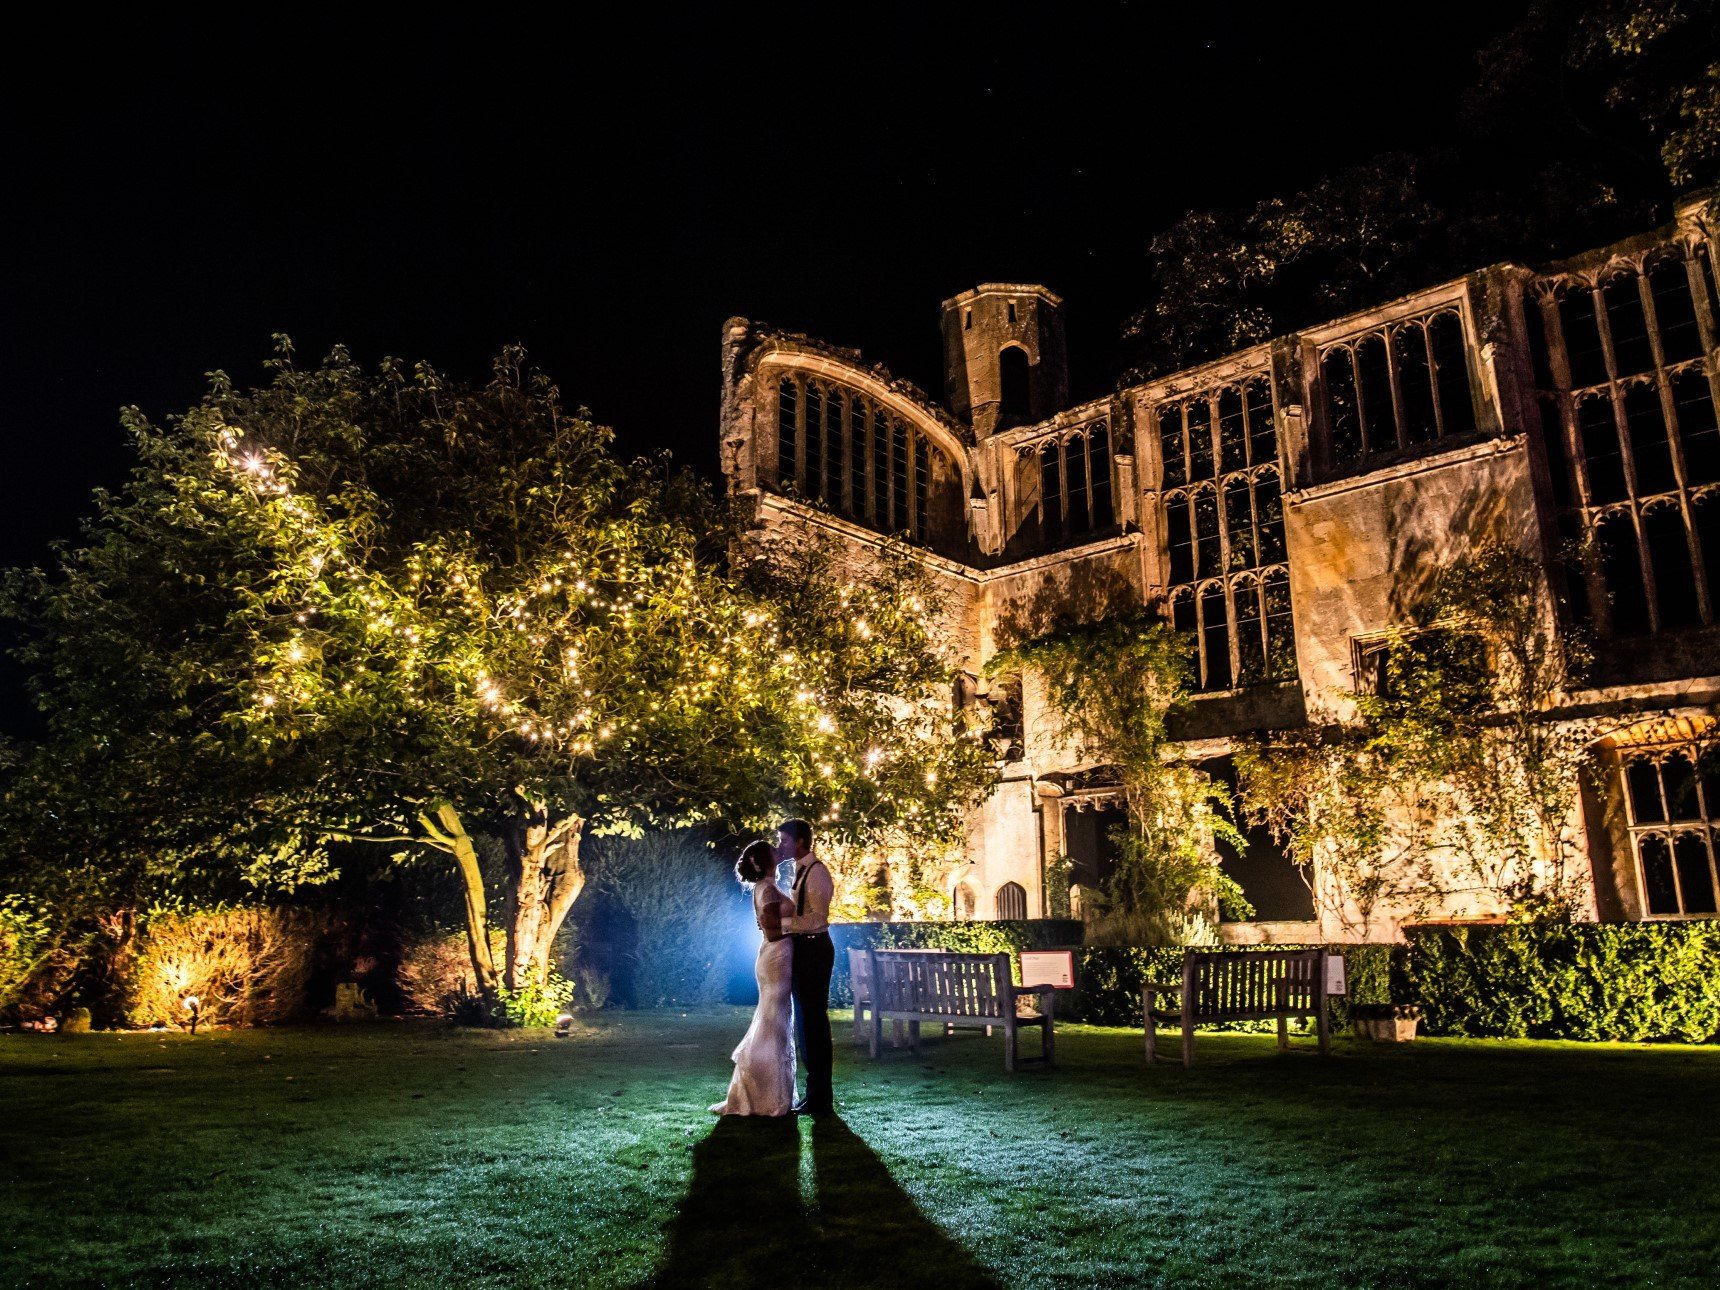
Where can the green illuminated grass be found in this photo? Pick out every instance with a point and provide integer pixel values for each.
(399, 1155)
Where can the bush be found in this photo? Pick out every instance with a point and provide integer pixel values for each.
(960, 938)
(436, 973)
(1630, 982)
(248, 967)
(538, 1005)
(27, 941)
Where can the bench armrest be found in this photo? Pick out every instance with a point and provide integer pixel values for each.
(1163, 987)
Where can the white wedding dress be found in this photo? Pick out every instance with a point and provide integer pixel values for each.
(763, 1082)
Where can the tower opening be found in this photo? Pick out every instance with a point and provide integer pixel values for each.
(1014, 403)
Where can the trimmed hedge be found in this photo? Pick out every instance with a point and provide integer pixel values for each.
(1631, 982)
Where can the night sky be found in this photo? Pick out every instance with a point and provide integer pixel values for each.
(607, 194)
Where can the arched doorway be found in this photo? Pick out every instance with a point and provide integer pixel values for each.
(1012, 901)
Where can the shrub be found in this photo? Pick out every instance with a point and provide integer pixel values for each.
(1593, 981)
(27, 941)
(538, 1005)
(248, 967)
(436, 972)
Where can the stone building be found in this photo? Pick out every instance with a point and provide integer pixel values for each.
(1283, 505)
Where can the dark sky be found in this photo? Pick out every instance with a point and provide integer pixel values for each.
(178, 189)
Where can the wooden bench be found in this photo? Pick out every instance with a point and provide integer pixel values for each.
(954, 990)
(1239, 985)
(860, 978)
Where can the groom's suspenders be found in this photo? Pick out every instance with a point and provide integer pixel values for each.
(800, 890)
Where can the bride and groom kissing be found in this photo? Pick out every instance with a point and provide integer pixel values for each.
(795, 958)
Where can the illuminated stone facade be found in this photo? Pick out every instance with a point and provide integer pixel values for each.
(1285, 506)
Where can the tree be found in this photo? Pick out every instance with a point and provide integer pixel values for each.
(1579, 124)
(425, 614)
(1112, 688)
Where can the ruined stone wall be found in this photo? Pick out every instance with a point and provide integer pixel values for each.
(1379, 449)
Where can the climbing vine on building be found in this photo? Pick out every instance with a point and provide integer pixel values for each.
(1112, 688)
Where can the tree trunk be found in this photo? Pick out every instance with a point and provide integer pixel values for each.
(546, 879)
(450, 834)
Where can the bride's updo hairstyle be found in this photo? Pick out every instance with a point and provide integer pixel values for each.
(756, 861)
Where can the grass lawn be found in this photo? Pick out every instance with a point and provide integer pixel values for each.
(423, 1155)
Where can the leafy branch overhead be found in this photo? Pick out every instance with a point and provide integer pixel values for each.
(389, 607)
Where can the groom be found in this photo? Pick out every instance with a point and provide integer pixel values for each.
(814, 956)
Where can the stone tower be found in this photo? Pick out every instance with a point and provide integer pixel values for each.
(1004, 358)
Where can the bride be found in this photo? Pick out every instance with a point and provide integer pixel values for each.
(763, 1082)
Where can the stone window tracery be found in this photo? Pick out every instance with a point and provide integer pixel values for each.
(1229, 583)
(1075, 484)
(837, 445)
(1012, 901)
(1672, 798)
(1626, 368)
(1396, 388)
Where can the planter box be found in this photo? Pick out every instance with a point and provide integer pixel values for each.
(1387, 1030)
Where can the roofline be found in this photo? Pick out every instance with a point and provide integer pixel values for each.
(1004, 289)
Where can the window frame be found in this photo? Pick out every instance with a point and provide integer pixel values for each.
(1051, 456)
(1254, 576)
(1705, 824)
(1577, 418)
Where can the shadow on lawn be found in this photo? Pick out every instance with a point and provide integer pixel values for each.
(743, 1221)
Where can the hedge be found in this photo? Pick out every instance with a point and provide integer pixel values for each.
(1630, 982)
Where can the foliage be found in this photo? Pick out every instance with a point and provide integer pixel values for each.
(1357, 832)
(1226, 280)
(27, 943)
(1634, 81)
(1589, 981)
(1111, 688)
(1579, 120)
(1059, 871)
(435, 972)
(1456, 781)
(865, 745)
(893, 874)
(247, 967)
(537, 1003)
(387, 607)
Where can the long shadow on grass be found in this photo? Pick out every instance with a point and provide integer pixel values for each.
(743, 1221)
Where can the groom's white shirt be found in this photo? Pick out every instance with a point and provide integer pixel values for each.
(811, 880)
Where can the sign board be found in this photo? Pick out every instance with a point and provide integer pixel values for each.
(1048, 967)
(1335, 974)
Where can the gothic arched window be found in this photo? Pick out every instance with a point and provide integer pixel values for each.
(1012, 901)
(838, 445)
(1075, 484)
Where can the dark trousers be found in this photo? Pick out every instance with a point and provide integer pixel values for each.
(814, 956)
